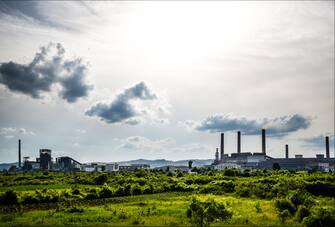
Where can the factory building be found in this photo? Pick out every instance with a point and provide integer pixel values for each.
(45, 159)
(67, 164)
(243, 160)
(134, 167)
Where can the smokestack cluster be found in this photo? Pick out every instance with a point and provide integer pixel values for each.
(19, 153)
(222, 146)
(327, 147)
(263, 142)
(286, 151)
(238, 142)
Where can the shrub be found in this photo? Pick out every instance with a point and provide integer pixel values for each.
(283, 215)
(228, 186)
(136, 189)
(76, 191)
(8, 198)
(322, 217)
(243, 190)
(92, 194)
(285, 204)
(101, 179)
(148, 190)
(75, 210)
(120, 191)
(203, 213)
(30, 199)
(301, 213)
(106, 192)
(230, 172)
(321, 188)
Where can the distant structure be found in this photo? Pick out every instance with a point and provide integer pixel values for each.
(263, 142)
(243, 160)
(238, 142)
(45, 159)
(67, 164)
(222, 146)
(217, 156)
(19, 153)
(327, 147)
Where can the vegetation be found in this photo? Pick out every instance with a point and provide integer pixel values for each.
(231, 197)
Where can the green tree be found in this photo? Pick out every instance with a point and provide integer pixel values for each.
(202, 214)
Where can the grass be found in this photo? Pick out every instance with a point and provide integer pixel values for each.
(167, 209)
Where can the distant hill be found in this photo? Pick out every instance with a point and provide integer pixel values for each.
(7, 165)
(152, 163)
(163, 162)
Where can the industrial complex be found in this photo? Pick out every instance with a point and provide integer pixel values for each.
(260, 160)
(238, 160)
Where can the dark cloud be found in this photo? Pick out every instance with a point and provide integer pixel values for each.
(121, 109)
(319, 141)
(275, 127)
(74, 85)
(31, 11)
(48, 67)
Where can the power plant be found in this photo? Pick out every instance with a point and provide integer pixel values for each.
(244, 160)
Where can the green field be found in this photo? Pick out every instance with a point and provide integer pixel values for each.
(252, 198)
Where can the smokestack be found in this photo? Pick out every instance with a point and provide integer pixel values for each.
(222, 146)
(286, 151)
(327, 147)
(263, 142)
(238, 142)
(19, 153)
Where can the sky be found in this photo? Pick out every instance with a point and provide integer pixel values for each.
(112, 81)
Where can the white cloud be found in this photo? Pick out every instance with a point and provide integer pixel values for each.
(10, 132)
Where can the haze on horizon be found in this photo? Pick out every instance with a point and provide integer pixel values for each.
(112, 81)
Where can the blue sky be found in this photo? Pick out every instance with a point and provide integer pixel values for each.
(111, 81)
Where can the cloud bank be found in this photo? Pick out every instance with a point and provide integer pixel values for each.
(319, 141)
(276, 127)
(128, 106)
(48, 67)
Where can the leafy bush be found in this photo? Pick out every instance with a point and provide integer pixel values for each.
(8, 198)
(75, 209)
(302, 212)
(322, 217)
(92, 194)
(321, 188)
(106, 192)
(204, 213)
(136, 189)
(101, 179)
(285, 204)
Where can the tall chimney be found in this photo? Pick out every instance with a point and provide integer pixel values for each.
(222, 146)
(286, 151)
(327, 147)
(238, 142)
(19, 153)
(263, 142)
